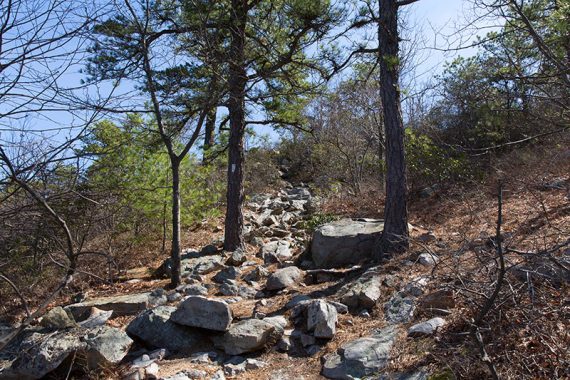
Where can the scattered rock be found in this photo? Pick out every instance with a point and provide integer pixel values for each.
(321, 319)
(232, 288)
(276, 252)
(237, 258)
(284, 278)
(399, 309)
(426, 328)
(229, 273)
(363, 292)
(206, 313)
(247, 336)
(193, 290)
(155, 328)
(344, 242)
(428, 259)
(361, 357)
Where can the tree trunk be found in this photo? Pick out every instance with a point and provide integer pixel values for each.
(209, 133)
(175, 253)
(233, 238)
(395, 235)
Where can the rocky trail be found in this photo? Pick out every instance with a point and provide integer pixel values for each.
(275, 311)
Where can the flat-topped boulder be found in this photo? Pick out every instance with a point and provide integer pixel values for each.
(248, 336)
(202, 312)
(155, 328)
(128, 304)
(345, 242)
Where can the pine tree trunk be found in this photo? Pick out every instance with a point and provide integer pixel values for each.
(233, 238)
(175, 253)
(395, 235)
(210, 126)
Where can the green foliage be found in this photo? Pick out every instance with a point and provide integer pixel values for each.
(429, 163)
(316, 220)
(133, 167)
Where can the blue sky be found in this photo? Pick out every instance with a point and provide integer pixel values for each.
(429, 16)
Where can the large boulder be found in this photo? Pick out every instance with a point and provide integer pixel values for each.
(361, 357)
(39, 354)
(248, 336)
(155, 328)
(106, 345)
(284, 278)
(206, 313)
(345, 242)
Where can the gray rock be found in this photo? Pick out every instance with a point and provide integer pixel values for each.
(232, 288)
(321, 319)
(155, 328)
(361, 357)
(399, 309)
(257, 274)
(58, 319)
(427, 259)
(237, 258)
(106, 345)
(426, 328)
(173, 296)
(284, 278)
(39, 354)
(247, 336)
(193, 290)
(296, 300)
(203, 265)
(276, 252)
(234, 369)
(128, 304)
(416, 375)
(345, 242)
(279, 321)
(209, 249)
(206, 313)
(229, 273)
(363, 292)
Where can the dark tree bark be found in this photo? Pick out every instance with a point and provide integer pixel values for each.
(233, 238)
(175, 254)
(395, 235)
(210, 127)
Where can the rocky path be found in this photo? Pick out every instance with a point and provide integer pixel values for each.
(274, 311)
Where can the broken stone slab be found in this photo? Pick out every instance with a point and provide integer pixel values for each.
(97, 317)
(284, 278)
(399, 309)
(426, 328)
(128, 304)
(345, 242)
(39, 354)
(321, 319)
(206, 313)
(247, 336)
(361, 357)
(155, 328)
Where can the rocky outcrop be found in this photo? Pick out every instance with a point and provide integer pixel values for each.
(345, 242)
